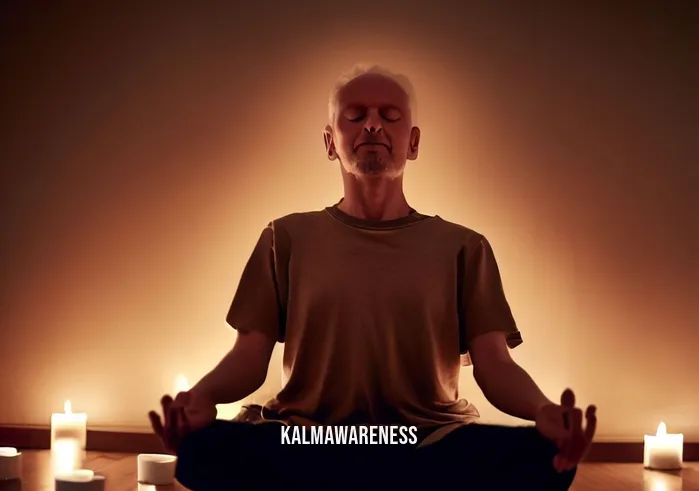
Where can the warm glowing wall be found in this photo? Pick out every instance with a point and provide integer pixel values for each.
(143, 151)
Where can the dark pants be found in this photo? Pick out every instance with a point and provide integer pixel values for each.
(241, 456)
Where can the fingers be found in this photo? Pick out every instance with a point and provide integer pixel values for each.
(559, 463)
(562, 433)
(580, 439)
(576, 417)
(570, 446)
(591, 419)
(167, 431)
(567, 406)
(156, 423)
(567, 403)
(565, 447)
(172, 427)
(568, 399)
(577, 445)
(182, 398)
(165, 402)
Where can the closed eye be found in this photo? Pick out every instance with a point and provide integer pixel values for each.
(385, 118)
(389, 114)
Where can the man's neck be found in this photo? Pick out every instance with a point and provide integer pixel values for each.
(379, 200)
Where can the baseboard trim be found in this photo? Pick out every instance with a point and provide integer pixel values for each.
(99, 441)
(125, 442)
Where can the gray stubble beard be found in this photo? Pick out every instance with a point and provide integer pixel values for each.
(372, 164)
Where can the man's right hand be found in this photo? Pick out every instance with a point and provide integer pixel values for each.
(188, 411)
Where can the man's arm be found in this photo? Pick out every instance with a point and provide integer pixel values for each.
(257, 313)
(506, 385)
(241, 372)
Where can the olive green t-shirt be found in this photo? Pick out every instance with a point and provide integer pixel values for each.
(374, 315)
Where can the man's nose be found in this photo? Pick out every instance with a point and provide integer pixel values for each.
(373, 124)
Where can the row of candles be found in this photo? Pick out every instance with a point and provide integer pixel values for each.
(68, 445)
(662, 451)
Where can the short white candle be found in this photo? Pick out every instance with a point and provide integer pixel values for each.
(156, 469)
(79, 480)
(10, 463)
(663, 451)
(66, 456)
(8, 452)
(69, 425)
(77, 475)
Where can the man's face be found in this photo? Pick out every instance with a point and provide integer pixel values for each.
(372, 132)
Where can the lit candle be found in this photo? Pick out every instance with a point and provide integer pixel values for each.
(66, 456)
(79, 480)
(69, 425)
(10, 463)
(663, 451)
(181, 384)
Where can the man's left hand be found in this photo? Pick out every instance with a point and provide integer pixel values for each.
(563, 425)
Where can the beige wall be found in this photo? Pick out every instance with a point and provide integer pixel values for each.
(143, 152)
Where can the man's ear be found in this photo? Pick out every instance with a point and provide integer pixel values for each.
(329, 144)
(414, 143)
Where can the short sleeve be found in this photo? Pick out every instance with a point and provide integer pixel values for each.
(257, 304)
(483, 305)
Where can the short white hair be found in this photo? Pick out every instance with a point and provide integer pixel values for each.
(363, 69)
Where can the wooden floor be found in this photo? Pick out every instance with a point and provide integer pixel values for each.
(120, 471)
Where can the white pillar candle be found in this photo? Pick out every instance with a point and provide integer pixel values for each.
(156, 469)
(69, 425)
(66, 455)
(10, 463)
(663, 451)
(79, 480)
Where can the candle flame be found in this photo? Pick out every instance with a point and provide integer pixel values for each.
(181, 384)
(662, 429)
(67, 407)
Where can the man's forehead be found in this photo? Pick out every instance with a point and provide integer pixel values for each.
(373, 89)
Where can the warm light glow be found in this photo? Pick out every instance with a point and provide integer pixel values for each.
(662, 429)
(660, 481)
(564, 259)
(66, 456)
(660, 486)
(8, 451)
(181, 384)
(67, 408)
(229, 411)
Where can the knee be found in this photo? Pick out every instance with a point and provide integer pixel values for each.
(193, 457)
(187, 470)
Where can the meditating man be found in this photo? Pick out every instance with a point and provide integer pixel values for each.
(376, 305)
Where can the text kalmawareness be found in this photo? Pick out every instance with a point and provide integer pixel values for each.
(349, 435)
